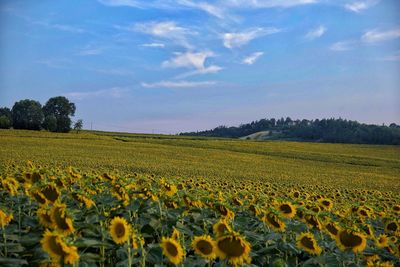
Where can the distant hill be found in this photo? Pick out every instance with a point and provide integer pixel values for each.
(324, 130)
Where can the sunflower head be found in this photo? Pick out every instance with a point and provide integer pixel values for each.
(5, 218)
(234, 248)
(274, 222)
(221, 227)
(54, 245)
(50, 192)
(347, 239)
(172, 250)
(119, 230)
(204, 246)
(287, 209)
(382, 241)
(60, 220)
(307, 242)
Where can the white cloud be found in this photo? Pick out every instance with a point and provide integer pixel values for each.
(393, 57)
(375, 36)
(315, 33)
(213, 10)
(250, 60)
(90, 51)
(342, 46)
(160, 45)
(188, 60)
(115, 92)
(177, 84)
(167, 30)
(238, 39)
(360, 5)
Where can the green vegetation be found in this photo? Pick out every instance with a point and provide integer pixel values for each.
(325, 130)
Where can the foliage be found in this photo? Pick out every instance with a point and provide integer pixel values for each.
(78, 125)
(325, 130)
(50, 123)
(27, 114)
(61, 109)
(5, 122)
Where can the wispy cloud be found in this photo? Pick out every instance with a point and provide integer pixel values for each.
(359, 6)
(167, 30)
(250, 60)
(192, 60)
(214, 10)
(178, 84)
(315, 33)
(237, 39)
(90, 50)
(394, 57)
(269, 3)
(374, 36)
(117, 72)
(159, 45)
(342, 46)
(115, 92)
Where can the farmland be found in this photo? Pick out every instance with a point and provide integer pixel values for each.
(195, 201)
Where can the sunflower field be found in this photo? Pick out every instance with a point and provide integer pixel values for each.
(57, 215)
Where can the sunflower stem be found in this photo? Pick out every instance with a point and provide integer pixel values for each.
(5, 241)
(129, 253)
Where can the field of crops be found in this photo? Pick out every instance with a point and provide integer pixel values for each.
(111, 199)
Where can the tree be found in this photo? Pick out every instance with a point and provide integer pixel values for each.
(50, 123)
(5, 118)
(78, 125)
(27, 114)
(61, 109)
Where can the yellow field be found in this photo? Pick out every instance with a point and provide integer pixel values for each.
(146, 200)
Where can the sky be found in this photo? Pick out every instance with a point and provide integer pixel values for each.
(169, 66)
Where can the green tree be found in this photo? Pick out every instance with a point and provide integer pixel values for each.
(61, 109)
(78, 125)
(50, 123)
(27, 114)
(5, 118)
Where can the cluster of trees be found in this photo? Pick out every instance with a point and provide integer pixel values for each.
(325, 130)
(29, 114)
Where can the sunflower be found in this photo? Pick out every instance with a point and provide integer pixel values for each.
(382, 241)
(176, 234)
(54, 245)
(11, 185)
(170, 190)
(204, 246)
(50, 192)
(332, 229)
(38, 196)
(325, 203)
(312, 221)
(172, 250)
(287, 209)
(5, 219)
(273, 221)
(119, 230)
(392, 226)
(221, 227)
(60, 220)
(307, 242)
(347, 239)
(234, 248)
(44, 217)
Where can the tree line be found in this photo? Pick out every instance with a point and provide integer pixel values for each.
(324, 130)
(29, 114)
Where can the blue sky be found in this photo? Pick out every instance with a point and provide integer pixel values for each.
(181, 65)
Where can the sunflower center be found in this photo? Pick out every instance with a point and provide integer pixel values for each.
(205, 247)
(392, 226)
(271, 219)
(55, 246)
(332, 229)
(172, 249)
(222, 228)
(350, 239)
(285, 208)
(326, 203)
(231, 246)
(307, 242)
(120, 230)
(50, 192)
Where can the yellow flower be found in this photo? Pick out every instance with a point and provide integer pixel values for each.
(60, 220)
(347, 239)
(119, 230)
(332, 229)
(234, 248)
(44, 217)
(287, 209)
(307, 242)
(170, 190)
(274, 222)
(382, 241)
(175, 234)
(172, 250)
(5, 219)
(325, 203)
(221, 227)
(204, 246)
(54, 245)
(11, 185)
